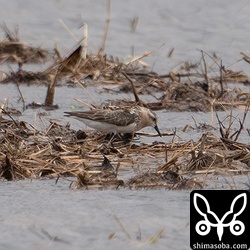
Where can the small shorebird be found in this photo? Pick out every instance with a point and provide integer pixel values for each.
(118, 119)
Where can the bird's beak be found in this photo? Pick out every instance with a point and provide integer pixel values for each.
(157, 130)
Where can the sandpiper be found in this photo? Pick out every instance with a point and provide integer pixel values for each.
(117, 120)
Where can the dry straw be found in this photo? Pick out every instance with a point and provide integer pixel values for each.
(60, 152)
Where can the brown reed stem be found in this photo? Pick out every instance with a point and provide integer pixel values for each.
(101, 50)
(205, 68)
(137, 99)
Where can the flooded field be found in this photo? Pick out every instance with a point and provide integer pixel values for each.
(37, 214)
(45, 214)
(194, 25)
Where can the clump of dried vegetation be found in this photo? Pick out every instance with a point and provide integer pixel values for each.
(12, 50)
(201, 86)
(60, 152)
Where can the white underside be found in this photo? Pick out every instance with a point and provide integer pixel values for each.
(107, 127)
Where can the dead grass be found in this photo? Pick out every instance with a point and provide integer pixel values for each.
(60, 152)
(13, 50)
(199, 86)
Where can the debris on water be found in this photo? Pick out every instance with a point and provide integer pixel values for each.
(186, 88)
(90, 156)
(29, 153)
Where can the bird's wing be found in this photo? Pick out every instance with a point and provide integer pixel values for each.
(116, 117)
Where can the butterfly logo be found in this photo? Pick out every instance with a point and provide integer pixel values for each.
(203, 227)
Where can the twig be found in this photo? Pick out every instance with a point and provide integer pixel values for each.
(245, 57)
(32, 230)
(2, 106)
(85, 41)
(84, 46)
(221, 126)
(21, 95)
(85, 103)
(230, 123)
(7, 113)
(137, 99)
(139, 57)
(205, 68)
(170, 53)
(101, 50)
(51, 91)
(241, 123)
(154, 134)
(202, 146)
(86, 91)
(215, 61)
(122, 227)
(221, 81)
(133, 23)
(144, 54)
(67, 29)
(174, 135)
(196, 125)
(155, 237)
(212, 111)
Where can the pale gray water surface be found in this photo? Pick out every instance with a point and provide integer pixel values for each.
(41, 215)
(85, 219)
(212, 26)
(64, 97)
(81, 219)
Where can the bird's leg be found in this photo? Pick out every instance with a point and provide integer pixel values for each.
(112, 138)
(132, 138)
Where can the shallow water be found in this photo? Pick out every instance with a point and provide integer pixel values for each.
(41, 215)
(213, 26)
(85, 219)
(82, 219)
(64, 97)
